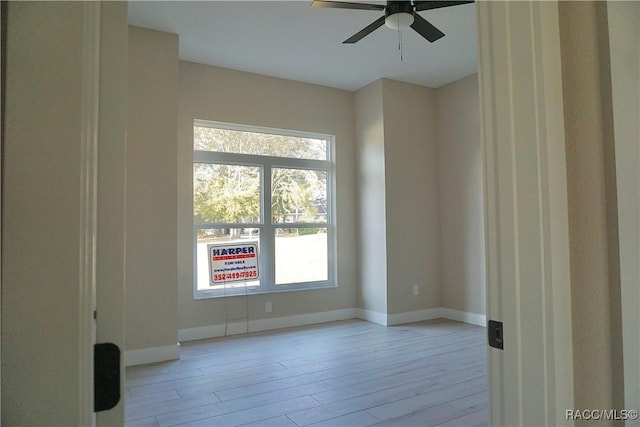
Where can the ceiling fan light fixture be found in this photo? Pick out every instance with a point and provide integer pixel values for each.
(400, 20)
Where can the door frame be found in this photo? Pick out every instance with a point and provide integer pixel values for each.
(526, 212)
(3, 53)
(496, 44)
(103, 180)
(507, 278)
(88, 204)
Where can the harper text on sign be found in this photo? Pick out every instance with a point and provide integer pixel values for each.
(232, 262)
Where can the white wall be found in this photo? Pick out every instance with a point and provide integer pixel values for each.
(411, 197)
(151, 270)
(463, 281)
(372, 236)
(218, 94)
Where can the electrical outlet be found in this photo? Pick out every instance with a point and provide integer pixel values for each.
(268, 307)
(416, 290)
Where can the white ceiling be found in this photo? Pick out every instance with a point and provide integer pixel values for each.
(292, 40)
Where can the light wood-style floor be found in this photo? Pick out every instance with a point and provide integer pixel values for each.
(346, 374)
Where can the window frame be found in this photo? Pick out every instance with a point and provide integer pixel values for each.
(265, 224)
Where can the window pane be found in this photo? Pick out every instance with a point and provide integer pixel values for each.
(301, 255)
(226, 193)
(220, 235)
(298, 195)
(263, 144)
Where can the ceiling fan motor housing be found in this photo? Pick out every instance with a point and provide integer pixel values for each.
(398, 14)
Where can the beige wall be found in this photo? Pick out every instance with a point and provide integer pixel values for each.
(151, 270)
(595, 282)
(461, 196)
(372, 229)
(411, 197)
(217, 94)
(398, 199)
(41, 287)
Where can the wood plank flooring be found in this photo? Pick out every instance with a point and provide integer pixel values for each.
(347, 374)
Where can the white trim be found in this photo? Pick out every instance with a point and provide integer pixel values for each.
(421, 315)
(259, 129)
(3, 20)
(267, 228)
(242, 327)
(301, 320)
(526, 214)
(201, 333)
(464, 316)
(373, 316)
(414, 316)
(235, 328)
(88, 208)
(151, 355)
(558, 319)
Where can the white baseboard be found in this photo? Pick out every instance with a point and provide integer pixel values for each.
(242, 327)
(421, 315)
(151, 355)
(414, 316)
(373, 316)
(201, 333)
(302, 320)
(464, 316)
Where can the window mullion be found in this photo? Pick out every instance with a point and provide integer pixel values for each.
(269, 236)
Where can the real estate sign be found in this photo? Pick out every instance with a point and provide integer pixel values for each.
(233, 262)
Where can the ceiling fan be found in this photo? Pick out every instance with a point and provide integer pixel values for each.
(397, 15)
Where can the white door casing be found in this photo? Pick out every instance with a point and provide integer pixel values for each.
(110, 247)
(88, 204)
(526, 219)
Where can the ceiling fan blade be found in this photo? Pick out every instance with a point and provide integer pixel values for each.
(366, 31)
(425, 29)
(346, 5)
(428, 5)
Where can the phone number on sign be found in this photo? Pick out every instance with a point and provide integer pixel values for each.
(236, 275)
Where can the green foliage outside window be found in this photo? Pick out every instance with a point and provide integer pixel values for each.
(231, 194)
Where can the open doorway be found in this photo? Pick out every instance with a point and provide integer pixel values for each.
(389, 238)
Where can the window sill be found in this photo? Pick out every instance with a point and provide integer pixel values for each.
(199, 295)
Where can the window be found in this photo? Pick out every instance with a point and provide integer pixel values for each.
(266, 189)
